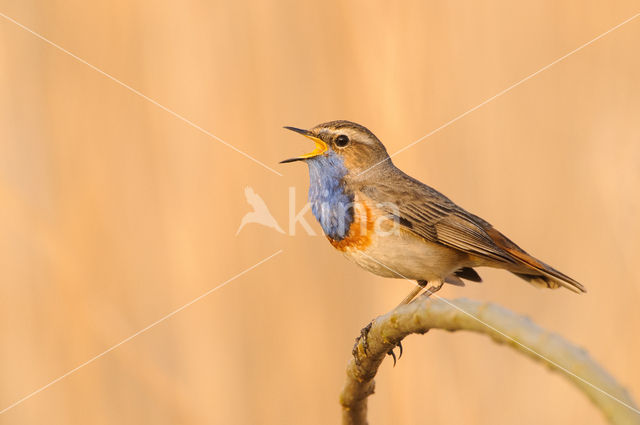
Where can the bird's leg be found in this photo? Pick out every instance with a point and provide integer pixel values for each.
(365, 331)
(433, 289)
(415, 291)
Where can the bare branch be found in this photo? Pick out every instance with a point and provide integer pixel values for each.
(504, 327)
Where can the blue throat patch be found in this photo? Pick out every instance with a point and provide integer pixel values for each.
(330, 203)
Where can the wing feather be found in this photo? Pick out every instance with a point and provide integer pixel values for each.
(430, 215)
(461, 233)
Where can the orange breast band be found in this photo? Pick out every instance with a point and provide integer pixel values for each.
(360, 231)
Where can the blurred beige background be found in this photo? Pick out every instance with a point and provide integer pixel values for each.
(114, 212)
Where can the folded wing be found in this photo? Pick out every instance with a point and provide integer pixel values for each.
(428, 214)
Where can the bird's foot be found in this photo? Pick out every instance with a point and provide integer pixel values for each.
(364, 332)
(433, 289)
(393, 355)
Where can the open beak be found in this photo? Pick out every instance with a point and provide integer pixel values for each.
(321, 146)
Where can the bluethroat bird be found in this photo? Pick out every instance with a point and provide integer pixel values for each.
(395, 226)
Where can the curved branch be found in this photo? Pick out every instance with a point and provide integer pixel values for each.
(504, 327)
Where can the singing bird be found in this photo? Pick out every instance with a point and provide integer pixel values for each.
(395, 226)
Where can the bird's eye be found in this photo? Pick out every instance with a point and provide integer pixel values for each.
(342, 141)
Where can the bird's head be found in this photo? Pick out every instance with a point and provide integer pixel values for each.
(345, 143)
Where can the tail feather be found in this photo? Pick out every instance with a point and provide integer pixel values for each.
(537, 280)
(551, 277)
(546, 282)
(538, 273)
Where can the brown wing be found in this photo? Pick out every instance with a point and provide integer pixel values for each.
(461, 232)
(430, 215)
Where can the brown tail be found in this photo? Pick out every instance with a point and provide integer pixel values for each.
(540, 274)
